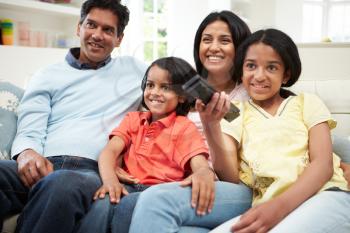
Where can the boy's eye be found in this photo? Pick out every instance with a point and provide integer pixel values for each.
(109, 31)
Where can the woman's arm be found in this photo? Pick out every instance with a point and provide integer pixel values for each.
(315, 175)
(223, 148)
(107, 164)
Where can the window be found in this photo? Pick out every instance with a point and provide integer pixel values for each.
(155, 29)
(326, 20)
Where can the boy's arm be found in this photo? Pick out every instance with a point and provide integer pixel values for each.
(107, 163)
(315, 175)
(203, 186)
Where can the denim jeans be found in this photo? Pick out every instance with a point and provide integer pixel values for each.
(326, 212)
(105, 217)
(56, 202)
(166, 208)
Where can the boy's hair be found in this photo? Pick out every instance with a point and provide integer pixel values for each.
(238, 28)
(281, 43)
(119, 10)
(180, 71)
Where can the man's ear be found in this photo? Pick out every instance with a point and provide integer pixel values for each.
(78, 29)
(119, 40)
(286, 77)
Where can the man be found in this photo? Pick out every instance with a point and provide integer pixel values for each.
(64, 120)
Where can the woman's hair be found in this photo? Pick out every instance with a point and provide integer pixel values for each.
(119, 10)
(238, 28)
(179, 73)
(281, 43)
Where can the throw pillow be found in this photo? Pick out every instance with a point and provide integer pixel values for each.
(341, 146)
(10, 96)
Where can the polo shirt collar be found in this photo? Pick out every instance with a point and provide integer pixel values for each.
(72, 58)
(166, 121)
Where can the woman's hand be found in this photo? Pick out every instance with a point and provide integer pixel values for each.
(114, 188)
(203, 189)
(261, 218)
(215, 110)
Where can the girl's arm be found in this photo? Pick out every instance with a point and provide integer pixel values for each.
(320, 170)
(223, 148)
(203, 186)
(107, 164)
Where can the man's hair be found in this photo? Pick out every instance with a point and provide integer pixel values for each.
(119, 10)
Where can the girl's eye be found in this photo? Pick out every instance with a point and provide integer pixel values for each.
(206, 40)
(149, 85)
(250, 66)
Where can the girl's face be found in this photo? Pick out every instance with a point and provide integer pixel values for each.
(263, 74)
(216, 49)
(159, 95)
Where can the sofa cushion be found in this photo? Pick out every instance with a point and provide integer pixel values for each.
(10, 97)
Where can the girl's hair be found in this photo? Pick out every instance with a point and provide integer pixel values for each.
(282, 44)
(238, 28)
(179, 73)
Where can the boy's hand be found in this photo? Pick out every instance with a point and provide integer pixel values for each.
(115, 190)
(124, 177)
(203, 189)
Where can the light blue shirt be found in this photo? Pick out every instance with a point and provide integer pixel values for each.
(67, 111)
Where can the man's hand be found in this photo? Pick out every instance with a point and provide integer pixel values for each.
(203, 189)
(32, 167)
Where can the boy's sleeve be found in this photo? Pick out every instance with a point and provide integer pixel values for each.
(123, 130)
(189, 144)
(315, 111)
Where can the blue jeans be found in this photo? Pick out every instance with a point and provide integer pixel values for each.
(56, 202)
(105, 217)
(166, 208)
(326, 212)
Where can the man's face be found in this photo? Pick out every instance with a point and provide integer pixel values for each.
(98, 36)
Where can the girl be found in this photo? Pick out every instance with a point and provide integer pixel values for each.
(280, 146)
(160, 145)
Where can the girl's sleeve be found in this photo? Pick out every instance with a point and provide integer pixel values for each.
(315, 111)
(235, 127)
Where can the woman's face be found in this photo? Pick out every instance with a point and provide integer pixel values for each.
(216, 48)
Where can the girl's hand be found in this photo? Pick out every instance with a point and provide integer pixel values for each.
(261, 218)
(203, 189)
(115, 190)
(125, 177)
(215, 110)
(346, 170)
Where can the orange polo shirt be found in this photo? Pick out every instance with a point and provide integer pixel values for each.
(158, 152)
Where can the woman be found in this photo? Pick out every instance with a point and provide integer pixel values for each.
(217, 37)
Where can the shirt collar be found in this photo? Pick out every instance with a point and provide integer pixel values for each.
(166, 121)
(72, 58)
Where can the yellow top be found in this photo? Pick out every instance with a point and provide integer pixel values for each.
(273, 150)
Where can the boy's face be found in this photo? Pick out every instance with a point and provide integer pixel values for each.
(98, 36)
(158, 95)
